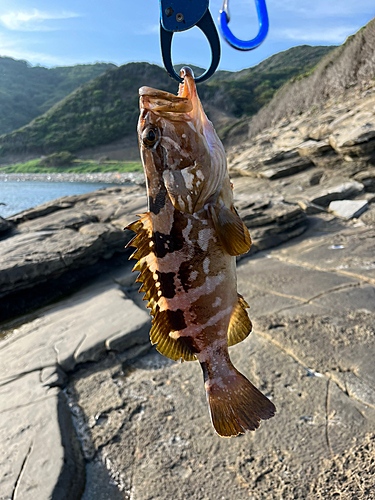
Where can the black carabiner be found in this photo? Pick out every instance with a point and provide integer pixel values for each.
(179, 15)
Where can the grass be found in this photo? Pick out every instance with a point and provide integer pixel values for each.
(77, 167)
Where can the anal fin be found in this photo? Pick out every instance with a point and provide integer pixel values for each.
(173, 348)
(240, 325)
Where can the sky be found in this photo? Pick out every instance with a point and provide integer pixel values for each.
(68, 32)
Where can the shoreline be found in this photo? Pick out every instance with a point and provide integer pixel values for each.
(97, 177)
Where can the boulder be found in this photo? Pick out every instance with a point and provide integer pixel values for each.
(369, 217)
(367, 178)
(347, 209)
(272, 223)
(286, 167)
(322, 196)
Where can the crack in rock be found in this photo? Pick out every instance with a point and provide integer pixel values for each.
(360, 277)
(23, 467)
(353, 386)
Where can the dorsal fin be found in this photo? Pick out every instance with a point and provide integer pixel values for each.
(232, 232)
(240, 324)
(164, 322)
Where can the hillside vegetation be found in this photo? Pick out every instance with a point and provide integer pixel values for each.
(352, 64)
(106, 109)
(29, 91)
(75, 167)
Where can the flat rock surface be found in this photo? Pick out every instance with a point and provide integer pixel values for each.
(348, 208)
(64, 236)
(34, 361)
(62, 242)
(311, 352)
(122, 422)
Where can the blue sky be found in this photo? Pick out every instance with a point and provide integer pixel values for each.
(67, 32)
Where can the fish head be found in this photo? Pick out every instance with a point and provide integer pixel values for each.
(182, 156)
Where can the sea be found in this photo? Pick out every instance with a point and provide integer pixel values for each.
(16, 196)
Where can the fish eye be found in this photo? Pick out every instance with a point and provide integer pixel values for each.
(150, 137)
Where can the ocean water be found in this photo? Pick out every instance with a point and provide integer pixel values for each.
(16, 196)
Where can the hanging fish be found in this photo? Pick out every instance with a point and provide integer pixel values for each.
(186, 246)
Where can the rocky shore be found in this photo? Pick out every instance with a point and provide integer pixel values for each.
(90, 410)
(105, 177)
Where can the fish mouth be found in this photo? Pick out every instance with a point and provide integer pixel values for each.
(185, 102)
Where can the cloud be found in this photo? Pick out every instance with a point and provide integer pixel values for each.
(19, 49)
(335, 35)
(34, 20)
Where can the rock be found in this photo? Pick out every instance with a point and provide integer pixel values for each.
(30, 258)
(60, 243)
(37, 419)
(145, 418)
(314, 148)
(315, 178)
(34, 361)
(323, 196)
(347, 209)
(271, 223)
(5, 226)
(81, 328)
(42, 210)
(56, 221)
(286, 167)
(355, 133)
(369, 217)
(310, 208)
(367, 178)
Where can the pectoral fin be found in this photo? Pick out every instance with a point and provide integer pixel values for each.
(232, 232)
(240, 324)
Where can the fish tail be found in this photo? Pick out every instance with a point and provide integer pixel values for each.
(235, 404)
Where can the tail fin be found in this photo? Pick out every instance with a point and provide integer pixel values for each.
(235, 404)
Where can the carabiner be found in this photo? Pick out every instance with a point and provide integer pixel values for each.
(236, 43)
(179, 15)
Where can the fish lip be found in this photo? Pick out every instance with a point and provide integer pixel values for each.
(187, 89)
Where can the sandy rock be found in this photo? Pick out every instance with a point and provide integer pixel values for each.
(347, 209)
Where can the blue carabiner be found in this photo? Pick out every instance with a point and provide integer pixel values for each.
(236, 43)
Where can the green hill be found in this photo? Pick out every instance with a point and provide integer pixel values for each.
(29, 91)
(350, 65)
(106, 109)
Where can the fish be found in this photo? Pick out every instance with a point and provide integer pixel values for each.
(186, 247)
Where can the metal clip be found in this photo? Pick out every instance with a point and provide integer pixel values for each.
(236, 43)
(180, 15)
